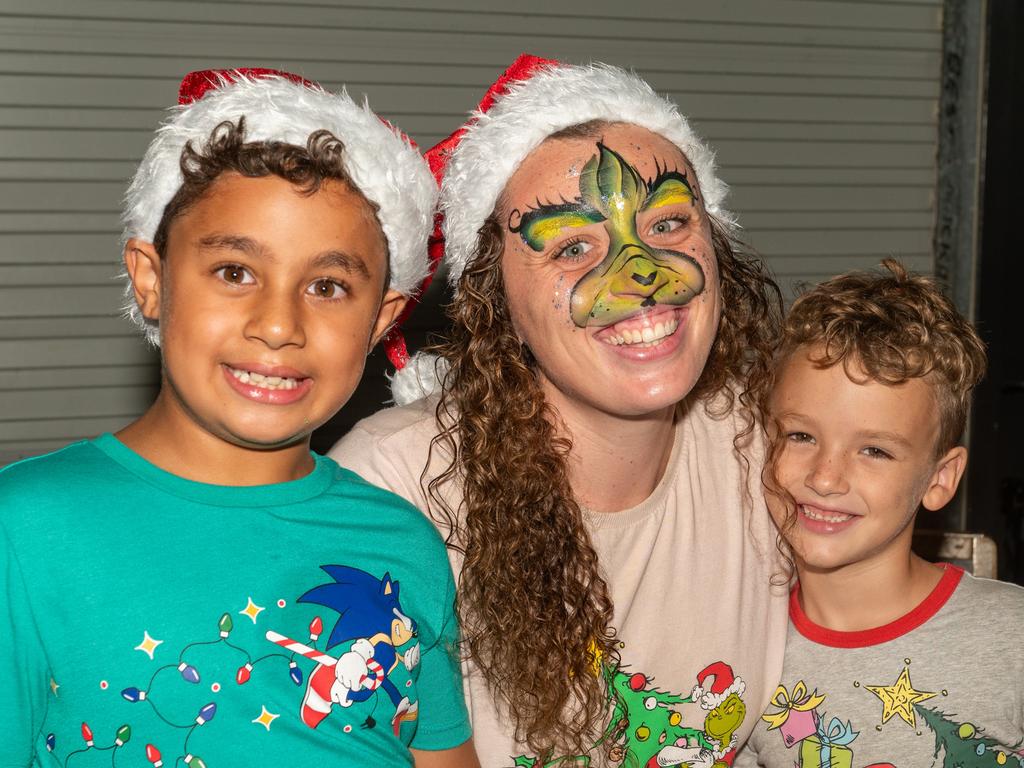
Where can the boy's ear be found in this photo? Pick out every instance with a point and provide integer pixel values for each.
(948, 471)
(391, 307)
(144, 268)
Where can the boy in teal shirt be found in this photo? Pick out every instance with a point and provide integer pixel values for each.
(200, 589)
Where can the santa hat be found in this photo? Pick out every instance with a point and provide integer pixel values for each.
(714, 685)
(533, 99)
(382, 162)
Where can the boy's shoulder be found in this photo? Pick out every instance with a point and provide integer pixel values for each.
(52, 472)
(55, 490)
(990, 596)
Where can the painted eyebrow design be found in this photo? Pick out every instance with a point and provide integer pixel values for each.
(662, 178)
(663, 172)
(564, 204)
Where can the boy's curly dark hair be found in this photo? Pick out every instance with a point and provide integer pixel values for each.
(227, 151)
(534, 605)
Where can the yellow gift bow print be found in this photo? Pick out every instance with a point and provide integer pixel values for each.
(800, 701)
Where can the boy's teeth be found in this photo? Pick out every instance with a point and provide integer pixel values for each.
(264, 382)
(645, 336)
(826, 517)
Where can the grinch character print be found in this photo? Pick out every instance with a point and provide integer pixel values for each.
(646, 730)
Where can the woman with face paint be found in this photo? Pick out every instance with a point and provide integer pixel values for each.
(592, 456)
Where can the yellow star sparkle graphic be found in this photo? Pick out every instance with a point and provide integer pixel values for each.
(900, 698)
(54, 685)
(266, 718)
(148, 644)
(252, 610)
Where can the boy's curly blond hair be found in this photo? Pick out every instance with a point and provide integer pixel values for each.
(894, 326)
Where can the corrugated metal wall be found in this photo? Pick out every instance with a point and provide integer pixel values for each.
(823, 113)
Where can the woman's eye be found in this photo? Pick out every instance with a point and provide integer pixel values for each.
(665, 226)
(326, 289)
(799, 437)
(235, 275)
(574, 251)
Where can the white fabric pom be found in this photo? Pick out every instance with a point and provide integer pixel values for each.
(418, 378)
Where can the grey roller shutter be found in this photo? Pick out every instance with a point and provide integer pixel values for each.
(823, 114)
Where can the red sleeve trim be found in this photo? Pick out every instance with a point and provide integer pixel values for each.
(867, 637)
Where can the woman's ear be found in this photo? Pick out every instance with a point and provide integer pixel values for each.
(145, 270)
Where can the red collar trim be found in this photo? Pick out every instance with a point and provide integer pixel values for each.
(864, 638)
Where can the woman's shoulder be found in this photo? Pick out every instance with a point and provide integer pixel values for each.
(401, 430)
(719, 419)
(415, 421)
(391, 447)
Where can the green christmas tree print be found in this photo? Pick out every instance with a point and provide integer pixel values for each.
(963, 745)
(643, 720)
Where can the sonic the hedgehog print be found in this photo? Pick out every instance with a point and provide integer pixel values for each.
(371, 637)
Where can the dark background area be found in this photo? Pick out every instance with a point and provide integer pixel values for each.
(995, 481)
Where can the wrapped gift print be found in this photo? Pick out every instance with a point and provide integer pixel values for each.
(829, 747)
(796, 717)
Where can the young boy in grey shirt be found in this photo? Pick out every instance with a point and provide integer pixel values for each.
(891, 660)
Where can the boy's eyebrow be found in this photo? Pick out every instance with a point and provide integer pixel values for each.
(233, 243)
(350, 262)
(892, 437)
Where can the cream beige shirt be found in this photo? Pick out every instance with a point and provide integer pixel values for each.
(690, 573)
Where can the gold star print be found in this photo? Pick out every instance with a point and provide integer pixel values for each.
(252, 610)
(900, 698)
(148, 644)
(266, 718)
(54, 685)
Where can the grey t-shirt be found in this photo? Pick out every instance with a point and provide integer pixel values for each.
(941, 686)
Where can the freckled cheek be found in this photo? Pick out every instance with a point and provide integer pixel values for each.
(561, 302)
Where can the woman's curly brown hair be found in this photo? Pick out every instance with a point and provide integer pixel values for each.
(888, 327)
(535, 609)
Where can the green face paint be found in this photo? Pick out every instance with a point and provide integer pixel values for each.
(541, 225)
(632, 276)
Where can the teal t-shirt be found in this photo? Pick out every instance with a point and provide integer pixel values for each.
(149, 620)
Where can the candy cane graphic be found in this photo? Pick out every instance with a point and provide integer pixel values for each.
(303, 650)
(371, 681)
(316, 704)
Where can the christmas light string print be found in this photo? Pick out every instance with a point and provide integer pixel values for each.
(190, 674)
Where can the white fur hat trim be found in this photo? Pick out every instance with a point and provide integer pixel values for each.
(384, 165)
(554, 98)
